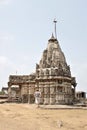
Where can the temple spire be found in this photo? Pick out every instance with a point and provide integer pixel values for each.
(55, 21)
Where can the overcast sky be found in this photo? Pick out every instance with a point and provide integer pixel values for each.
(26, 26)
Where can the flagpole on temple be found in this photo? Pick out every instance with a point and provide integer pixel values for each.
(55, 21)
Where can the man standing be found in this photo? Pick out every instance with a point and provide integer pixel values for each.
(37, 96)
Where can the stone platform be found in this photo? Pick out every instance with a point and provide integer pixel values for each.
(61, 107)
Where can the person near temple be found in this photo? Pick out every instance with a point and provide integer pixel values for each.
(37, 96)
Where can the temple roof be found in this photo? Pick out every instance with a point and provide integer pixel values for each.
(53, 54)
(53, 57)
(52, 38)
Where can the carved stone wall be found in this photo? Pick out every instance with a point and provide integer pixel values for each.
(26, 85)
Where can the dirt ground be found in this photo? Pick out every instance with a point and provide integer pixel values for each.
(28, 117)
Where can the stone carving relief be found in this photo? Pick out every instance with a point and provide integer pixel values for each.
(37, 66)
(37, 73)
(41, 73)
(52, 72)
(47, 72)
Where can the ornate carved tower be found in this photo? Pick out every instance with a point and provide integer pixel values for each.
(53, 76)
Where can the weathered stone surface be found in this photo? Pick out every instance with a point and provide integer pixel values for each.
(54, 73)
(53, 78)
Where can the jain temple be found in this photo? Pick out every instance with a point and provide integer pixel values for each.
(52, 77)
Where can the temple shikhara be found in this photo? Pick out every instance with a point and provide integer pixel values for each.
(52, 77)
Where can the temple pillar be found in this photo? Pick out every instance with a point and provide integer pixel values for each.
(52, 95)
(46, 94)
(9, 91)
(74, 92)
(41, 89)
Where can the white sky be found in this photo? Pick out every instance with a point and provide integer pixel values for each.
(26, 26)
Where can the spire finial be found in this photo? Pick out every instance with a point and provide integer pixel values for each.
(55, 21)
(52, 35)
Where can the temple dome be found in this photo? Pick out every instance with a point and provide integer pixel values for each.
(53, 57)
(53, 53)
